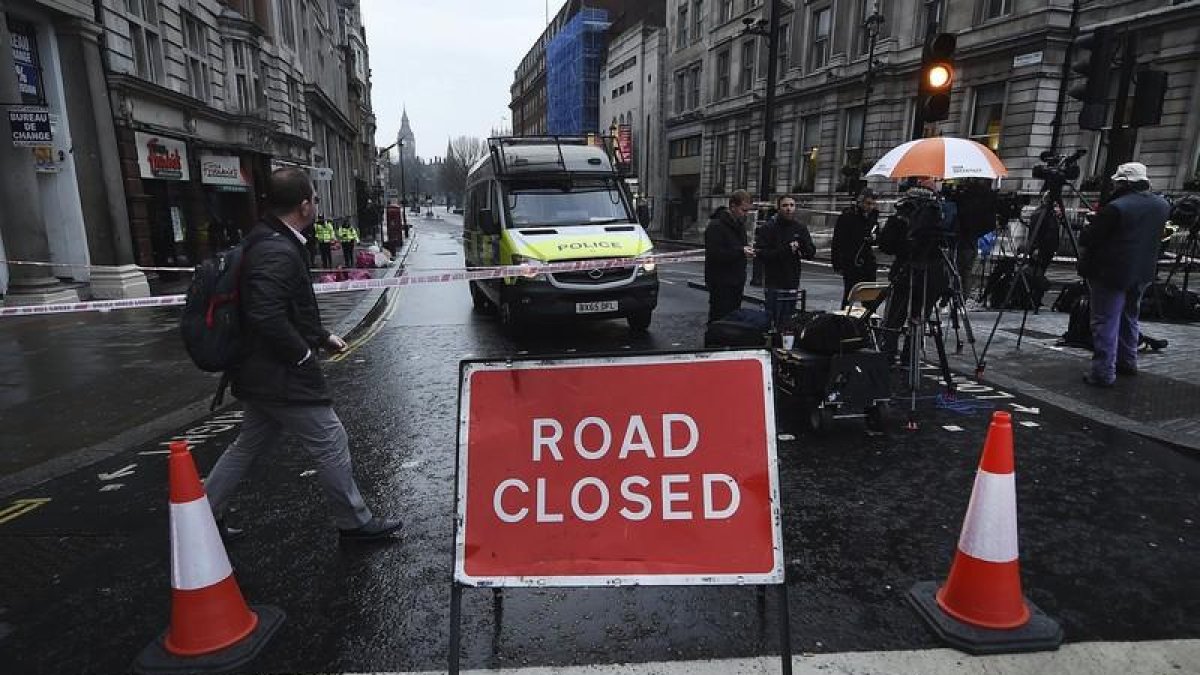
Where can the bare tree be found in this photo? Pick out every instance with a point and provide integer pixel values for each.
(461, 155)
(468, 149)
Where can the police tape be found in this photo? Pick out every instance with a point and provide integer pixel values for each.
(470, 274)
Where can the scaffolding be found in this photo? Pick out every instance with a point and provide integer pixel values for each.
(573, 60)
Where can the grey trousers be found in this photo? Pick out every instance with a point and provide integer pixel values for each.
(319, 432)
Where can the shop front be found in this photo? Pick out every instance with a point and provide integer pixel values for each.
(165, 171)
(229, 203)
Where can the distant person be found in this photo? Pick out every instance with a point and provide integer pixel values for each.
(1119, 259)
(783, 243)
(726, 250)
(348, 237)
(851, 251)
(280, 380)
(325, 237)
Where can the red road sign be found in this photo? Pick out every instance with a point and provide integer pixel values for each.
(602, 471)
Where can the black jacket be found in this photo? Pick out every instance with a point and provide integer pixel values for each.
(1120, 246)
(850, 250)
(724, 257)
(281, 318)
(781, 265)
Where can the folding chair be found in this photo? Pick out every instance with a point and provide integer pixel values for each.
(865, 298)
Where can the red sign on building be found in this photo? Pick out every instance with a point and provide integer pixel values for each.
(598, 471)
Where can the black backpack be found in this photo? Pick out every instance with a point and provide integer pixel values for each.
(211, 324)
(832, 334)
(1079, 325)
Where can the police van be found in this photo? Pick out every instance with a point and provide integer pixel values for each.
(538, 200)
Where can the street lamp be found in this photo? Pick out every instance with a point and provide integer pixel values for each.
(769, 30)
(872, 25)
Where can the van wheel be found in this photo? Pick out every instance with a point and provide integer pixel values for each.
(640, 322)
(479, 300)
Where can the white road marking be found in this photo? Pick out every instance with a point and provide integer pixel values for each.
(952, 428)
(119, 473)
(1030, 423)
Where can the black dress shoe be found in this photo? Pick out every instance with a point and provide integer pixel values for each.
(1091, 380)
(376, 528)
(1126, 369)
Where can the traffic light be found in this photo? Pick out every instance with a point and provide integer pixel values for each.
(937, 77)
(1148, 101)
(1093, 60)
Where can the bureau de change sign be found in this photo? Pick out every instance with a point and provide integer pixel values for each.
(30, 127)
(599, 471)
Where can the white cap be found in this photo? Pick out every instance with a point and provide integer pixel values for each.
(1132, 172)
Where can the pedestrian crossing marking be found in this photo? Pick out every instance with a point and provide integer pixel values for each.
(20, 507)
(1030, 423)
(952, 428)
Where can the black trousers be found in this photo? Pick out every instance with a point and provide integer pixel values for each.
(326, 254)
(348, 253)
(722, 300)
(854, 276)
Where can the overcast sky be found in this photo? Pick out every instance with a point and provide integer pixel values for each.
(450, 62)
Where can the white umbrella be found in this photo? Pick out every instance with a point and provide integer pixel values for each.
(940, 158)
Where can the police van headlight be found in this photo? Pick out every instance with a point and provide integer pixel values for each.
(532, 263)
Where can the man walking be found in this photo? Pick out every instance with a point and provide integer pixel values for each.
(348, 236)
(784, 242)
(726, 251)
(280, 380)
(851, 252)
(1119, 258)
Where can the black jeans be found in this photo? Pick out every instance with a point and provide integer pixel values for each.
(722, 300)
(348, 253)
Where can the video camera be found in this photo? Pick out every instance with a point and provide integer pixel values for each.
(1057, 170)
(1185, 213)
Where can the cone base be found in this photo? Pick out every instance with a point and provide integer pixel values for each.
(1040, 633)
(155, 658)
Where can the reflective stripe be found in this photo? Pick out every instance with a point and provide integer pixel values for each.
(198, 558)
(990, 528)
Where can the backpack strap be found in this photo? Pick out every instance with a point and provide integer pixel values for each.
(219, 397)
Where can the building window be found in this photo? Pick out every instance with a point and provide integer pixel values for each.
(808, 148)
(746, 80)
(287, 23)
(247, 85)
(988, 115)
(195, 54)
(680, 90)
(744, 159)
(296, 102)
(720, 163)
(681, 26)
(722, 75)
(785, 47)
(697, 20)
(682, 148)
(144, 34)
(853, 137)
(694, 87)
(993, 9)
(750, 4)
(818, 54)
(862, 41)
(726, 10)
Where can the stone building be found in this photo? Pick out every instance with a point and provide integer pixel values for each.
(1009, 63)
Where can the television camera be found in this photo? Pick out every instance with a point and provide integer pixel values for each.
(1056, 170)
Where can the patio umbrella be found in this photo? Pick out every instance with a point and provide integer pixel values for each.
(939, 158)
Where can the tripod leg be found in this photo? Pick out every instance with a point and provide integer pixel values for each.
(943, 363)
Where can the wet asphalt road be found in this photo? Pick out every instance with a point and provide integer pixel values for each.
(1109, 540)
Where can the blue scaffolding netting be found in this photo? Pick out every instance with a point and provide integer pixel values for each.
(573, 74)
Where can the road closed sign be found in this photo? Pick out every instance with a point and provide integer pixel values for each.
(603, 471)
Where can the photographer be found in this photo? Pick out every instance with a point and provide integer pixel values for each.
(915, 234)
(781, 244)
(851, 252)
(1118, 260)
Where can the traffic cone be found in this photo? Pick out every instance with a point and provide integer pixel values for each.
(212, 629)
(981, 609)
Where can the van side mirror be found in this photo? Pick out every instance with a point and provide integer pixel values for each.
(488, 222)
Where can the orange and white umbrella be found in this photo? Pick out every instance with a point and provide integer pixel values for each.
(940, 158)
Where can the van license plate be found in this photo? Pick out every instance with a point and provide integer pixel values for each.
(593, 307)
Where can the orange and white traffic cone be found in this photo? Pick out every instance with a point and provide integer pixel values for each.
(212, 629)
(981, 609)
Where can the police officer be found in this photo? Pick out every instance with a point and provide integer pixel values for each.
(348, 236)
(325, 238)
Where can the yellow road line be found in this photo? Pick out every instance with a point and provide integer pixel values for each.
(20, 507)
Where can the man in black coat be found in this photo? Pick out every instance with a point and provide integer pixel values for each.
(280, 379)
(1119, 259)
(851, 252)
(783, 243)
(726, 250)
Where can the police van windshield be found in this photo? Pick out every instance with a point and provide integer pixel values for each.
(565, 203)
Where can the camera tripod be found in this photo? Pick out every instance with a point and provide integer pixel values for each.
(1185, 257)
(1051, 212)
(922, 318)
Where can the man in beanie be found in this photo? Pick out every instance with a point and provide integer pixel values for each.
(1118, 260)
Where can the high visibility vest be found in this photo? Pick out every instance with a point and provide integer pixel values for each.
(348, 233)
(324, 231)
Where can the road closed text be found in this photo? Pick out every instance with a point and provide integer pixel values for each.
(634, 497)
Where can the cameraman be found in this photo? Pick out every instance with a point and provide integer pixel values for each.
(1118, 259)
(915, 234)
(851, 252)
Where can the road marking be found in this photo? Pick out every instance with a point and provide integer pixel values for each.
(20, 507)
(112, 486)
(952, 428)
(380, 322)
(119, 473)
(1030, 423)
(1024, 409)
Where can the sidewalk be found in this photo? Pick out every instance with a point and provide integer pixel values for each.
(76, 388)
